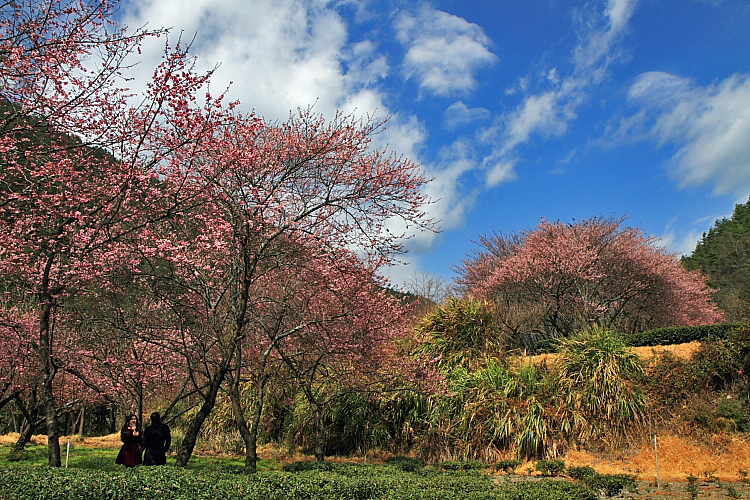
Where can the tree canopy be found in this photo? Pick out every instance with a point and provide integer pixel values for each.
(560, 277)
(723, 255)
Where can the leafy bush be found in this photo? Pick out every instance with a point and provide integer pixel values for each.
(581, 472)
(308, 465)
(732, 410)
(547, 490)
(507, 466)
(550, 468)
(462, 465)
(681, 334)
(596, 370)
(461, 332)
(406, 464)
(546, 346)
(610, 484)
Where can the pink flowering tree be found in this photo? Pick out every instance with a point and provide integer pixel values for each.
(591, 271)
(304, 191)
(81, 170)
(348, 328)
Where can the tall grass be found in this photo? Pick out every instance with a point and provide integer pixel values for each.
(596, 370)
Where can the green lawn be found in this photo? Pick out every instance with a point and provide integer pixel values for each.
(85, 457)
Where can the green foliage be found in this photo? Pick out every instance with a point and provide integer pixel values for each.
(596, 370)
(546, 346)
(346, 482)
(609, 484)
(731, 410)
(462, 465)
(547, 490)
(460, 332)
(692, 486)
(681, 334)
(581, 472)
(723, 254)
(507, 466)
(550, 468)
(406, 464)
(495, 407)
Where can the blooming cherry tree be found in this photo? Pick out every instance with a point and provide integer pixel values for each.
(591, 271)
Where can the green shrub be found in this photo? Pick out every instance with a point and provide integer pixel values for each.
(580, 472)
(610, 484)
(550, 468)
(597, 370)
(406, 464)
(546, 490)
(462, 465)
(732, 410)
(681, 334)
(545, 346)
(507, 466)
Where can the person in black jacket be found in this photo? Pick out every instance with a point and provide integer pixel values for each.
(156, 441)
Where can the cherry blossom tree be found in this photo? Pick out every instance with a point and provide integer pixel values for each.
(308, 187)
(590, 271)
(81, 169)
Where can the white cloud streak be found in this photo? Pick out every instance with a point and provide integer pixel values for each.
(547, 113)
(710, 127)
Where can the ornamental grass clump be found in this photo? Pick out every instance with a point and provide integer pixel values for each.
(596, 370)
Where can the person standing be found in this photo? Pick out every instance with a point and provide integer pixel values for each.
(130, 434)
(156, 441)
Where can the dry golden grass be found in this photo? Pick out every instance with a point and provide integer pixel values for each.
(683, 351)
(104, 442)
(679, 457)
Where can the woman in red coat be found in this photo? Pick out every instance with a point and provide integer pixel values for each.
(130, 453)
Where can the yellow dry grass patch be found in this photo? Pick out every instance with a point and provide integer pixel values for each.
(679, 457)
(110, 441)
(683, 351)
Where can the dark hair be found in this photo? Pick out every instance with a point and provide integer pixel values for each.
(155, 418)
(137, 423)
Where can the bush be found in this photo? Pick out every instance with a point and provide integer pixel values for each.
(550, 468)
(406, 464)
(507, 466)
(681, 334)
(462, 465)
(581, 472)
(546, 346)
(547, 490)
(732, 410)
(610, 484)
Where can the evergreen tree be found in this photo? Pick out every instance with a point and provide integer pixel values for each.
(723, 254)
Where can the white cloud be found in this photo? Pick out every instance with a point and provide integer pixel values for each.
(500, 171)
(443, 51)
(709, 125)
(459, 114)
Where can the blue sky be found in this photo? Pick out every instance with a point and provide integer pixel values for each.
(521, 111)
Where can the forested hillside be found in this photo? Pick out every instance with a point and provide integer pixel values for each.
(723, 254)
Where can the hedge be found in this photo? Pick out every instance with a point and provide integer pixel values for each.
(681, 334)
(350, 482)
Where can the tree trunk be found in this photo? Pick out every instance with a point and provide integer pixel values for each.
(80, 423)
(30, 415)
(249, 435)
(319, 431)
(47, 370)
(193, 429)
